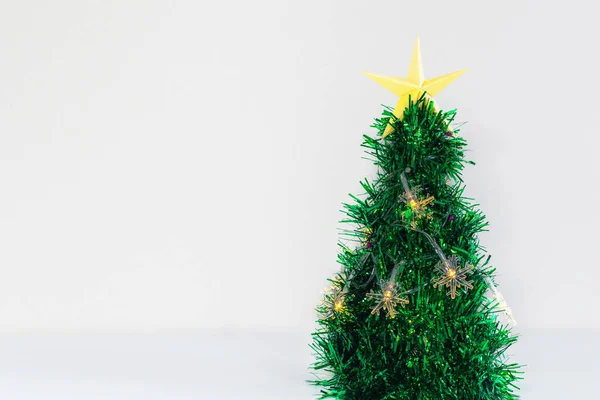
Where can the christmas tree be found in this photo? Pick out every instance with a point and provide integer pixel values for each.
(414, 312)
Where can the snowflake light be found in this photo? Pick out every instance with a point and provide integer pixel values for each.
(388, 297)
(453, 275)
(417, 204)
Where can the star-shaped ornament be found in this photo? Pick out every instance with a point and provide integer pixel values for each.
(414, 85)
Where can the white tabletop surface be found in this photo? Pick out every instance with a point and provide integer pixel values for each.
(238, 366)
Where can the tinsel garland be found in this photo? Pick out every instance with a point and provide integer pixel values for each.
(414, 232)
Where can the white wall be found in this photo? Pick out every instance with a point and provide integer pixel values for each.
(170, 165)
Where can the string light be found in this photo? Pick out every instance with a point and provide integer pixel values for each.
(502, 304)
(388, 297)
(335, 297)
(453, 275)
(417, 206)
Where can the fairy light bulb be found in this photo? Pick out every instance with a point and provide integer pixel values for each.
(338, 306)
(389, 296)
(333, 302)
(417, 204)
(453, 276)
(502, 304)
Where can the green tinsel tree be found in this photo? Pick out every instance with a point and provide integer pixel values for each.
(414, 312)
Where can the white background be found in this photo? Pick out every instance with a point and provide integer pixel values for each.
(178, 167)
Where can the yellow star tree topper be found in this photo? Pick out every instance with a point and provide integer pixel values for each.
(414, 85)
